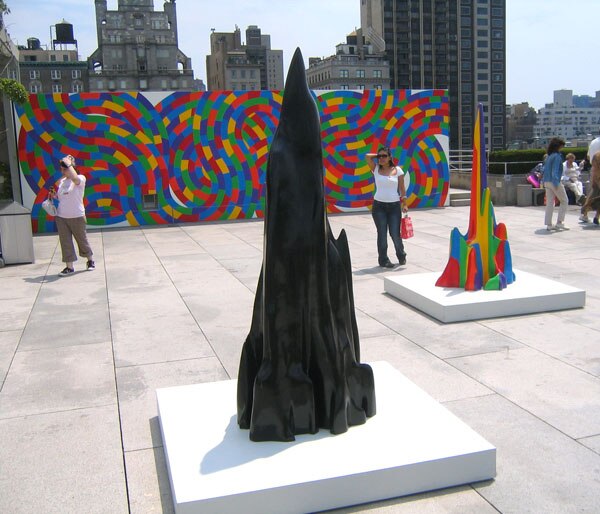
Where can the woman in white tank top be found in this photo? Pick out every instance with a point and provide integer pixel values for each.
(388, 204)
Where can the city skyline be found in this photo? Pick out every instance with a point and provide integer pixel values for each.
(543, 55)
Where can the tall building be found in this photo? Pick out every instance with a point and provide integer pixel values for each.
(520, 120)
(57, 69)
(138, 49)
(457, 45)
(232, 65)
(355, 65)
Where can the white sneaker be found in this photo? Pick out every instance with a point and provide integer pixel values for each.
(550, 228)
(562, 226)
(584, 219)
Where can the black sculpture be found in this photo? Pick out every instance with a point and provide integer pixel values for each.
(299, 368)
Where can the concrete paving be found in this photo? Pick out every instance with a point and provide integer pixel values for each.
(82, 356)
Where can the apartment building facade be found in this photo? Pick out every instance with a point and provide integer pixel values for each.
(138, 49)
(253, 65)
(355, 66)
(458, 45)
(562, 118)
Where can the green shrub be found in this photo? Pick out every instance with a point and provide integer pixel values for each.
(523, 161)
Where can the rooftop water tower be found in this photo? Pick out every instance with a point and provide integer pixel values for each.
(64, 35)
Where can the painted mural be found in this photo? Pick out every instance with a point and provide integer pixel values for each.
(152, 158)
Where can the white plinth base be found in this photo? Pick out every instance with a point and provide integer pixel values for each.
(412, 444)
(527, 294)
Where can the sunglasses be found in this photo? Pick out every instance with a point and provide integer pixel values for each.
(382, 156)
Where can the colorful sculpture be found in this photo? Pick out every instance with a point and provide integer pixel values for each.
(481, 258)
(299, 369)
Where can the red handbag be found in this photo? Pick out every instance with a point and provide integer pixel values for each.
(406, 228)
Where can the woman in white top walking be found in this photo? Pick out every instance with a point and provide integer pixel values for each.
(70, 216)
(388, 204)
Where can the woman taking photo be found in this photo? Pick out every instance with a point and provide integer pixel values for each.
(70, 216)
(388, 204)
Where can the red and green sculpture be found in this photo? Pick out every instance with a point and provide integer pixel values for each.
(480, 259)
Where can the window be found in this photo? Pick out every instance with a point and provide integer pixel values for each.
(75, 74)
(377, 74)
(344, 74)
(143, 84)
(65, 58)
(34, 74)
(157, 24)
(360, 74)
(53, 58)
(344, 86)
(76, 87)
(35, 88)
(123, 84)
(150, 202)
(57, 88)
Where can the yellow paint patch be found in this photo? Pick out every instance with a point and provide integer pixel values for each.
(390, 124)
(188, 194)
(131, 219)
(122, 158)
(72, 119)
(119, 131)
(26, 123)
(355, 145)
(338, 121)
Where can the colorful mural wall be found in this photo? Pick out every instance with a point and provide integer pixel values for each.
(153, 158)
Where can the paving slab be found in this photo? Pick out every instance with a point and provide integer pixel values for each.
(137, 396)
(539, 468)
(568, 341)
(9, 339)
(439, 379)
(148, 482)
(58, 379)
(63, 462)
(559, 394)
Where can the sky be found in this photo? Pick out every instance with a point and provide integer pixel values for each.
(549, 42)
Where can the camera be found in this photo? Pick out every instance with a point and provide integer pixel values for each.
(63, 164)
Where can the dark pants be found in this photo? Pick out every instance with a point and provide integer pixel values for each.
(387, 218)
(69, 228)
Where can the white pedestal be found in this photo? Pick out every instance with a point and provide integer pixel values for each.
(412, 444)
(528, 294)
